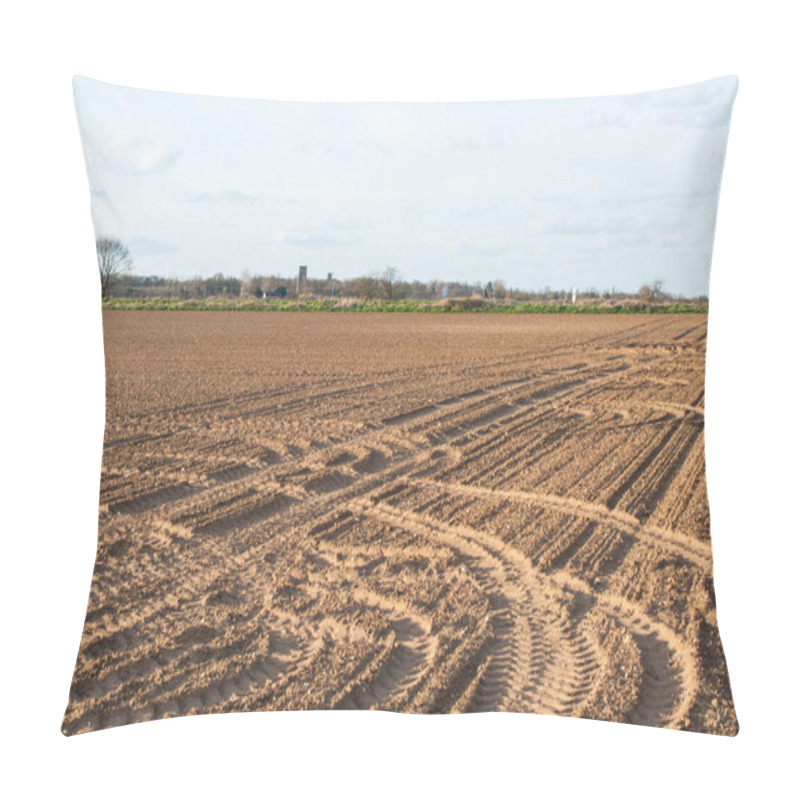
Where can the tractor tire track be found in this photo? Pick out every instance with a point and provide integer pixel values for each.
(694, 551)
(534, 665)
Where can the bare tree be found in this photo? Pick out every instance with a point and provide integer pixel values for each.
(113, 259)
(652, 292)
(368, 287)
(389, 279)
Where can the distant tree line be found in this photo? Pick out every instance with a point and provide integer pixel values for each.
(367, 287)
(117, 280)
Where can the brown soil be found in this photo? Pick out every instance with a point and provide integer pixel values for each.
(423, 513)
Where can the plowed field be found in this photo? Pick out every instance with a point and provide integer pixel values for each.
(423, 513)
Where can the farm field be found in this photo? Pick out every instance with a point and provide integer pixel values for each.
(408, 512)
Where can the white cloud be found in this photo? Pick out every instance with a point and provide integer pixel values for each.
(480, 247)
(591, 225)
(137, 157)
(598, 118)
(219, 196)
(144, 246)
(610, 231)
(319, 232)
(698, 106)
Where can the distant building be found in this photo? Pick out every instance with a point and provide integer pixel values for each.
(302, 279)
(574, 295)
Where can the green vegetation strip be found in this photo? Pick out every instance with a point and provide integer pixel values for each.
(455, 306)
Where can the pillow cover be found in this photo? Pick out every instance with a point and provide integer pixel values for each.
(491, 497)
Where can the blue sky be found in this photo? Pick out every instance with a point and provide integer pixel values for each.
(593, 193)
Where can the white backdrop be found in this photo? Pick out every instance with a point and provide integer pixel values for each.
(52, 397)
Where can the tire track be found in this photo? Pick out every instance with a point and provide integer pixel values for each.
(540, 664)
(537, 663)
(411, 656)
(693, 550)
(670, 682)
(151, 683)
